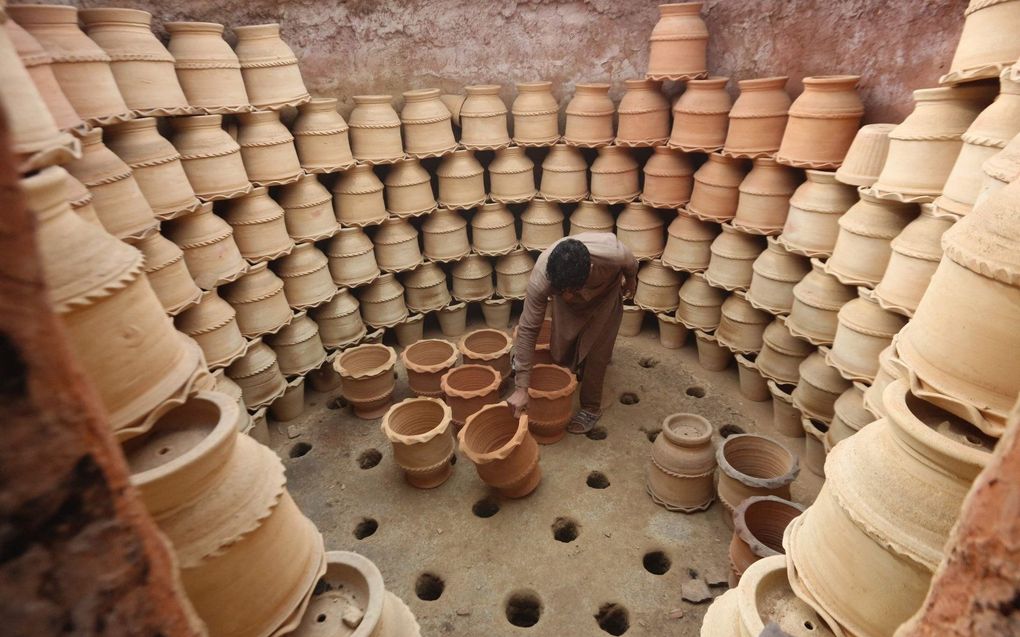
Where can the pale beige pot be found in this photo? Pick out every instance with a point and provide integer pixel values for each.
(850, 416)
(322, 137)
(425, 288)
(866, 231)
(258, 375)
(764, 199)
(427, 124)
(889, 369)
(822, 123)
(614, 176)
(644, 114)
(672, 333)
(492, 230)
(733, 254)
(866, 156)
(752, 465)
(812, 224)
(358, 198)
(985, 47)
(453, 319)
(758, 118)
(461, 181)
(269, 67)
(680, 473)
(658, 288)
(469, 387)
(426, 361)
(564, 175)
(488, 347)
(641, 229)
(210, 156)
(267, 149)
(716, 189)
(589, 116)
(782, 353)
(513, 271)
(785, 416)
(741, 326)
(753, 386)
(37, 64)
(668, 178)
(408, 189)
(396, 246)
(819, 387)
(712, 355)
(259, 228)
(504, 453)
(541, 225)
(632, 321)
(306, 277)
(915, 254)
(550, 402)
(817, 300)
(375, 130)
(367, 375)
(351, 255)
(291, 404)
(298, 346)
(536, 115)
(591, 217)
(773, 276)
(445, 236)
(679, 43)
(420, 434)
(325, 379)
(472, 279)
(701, 116)
(260, 301)
(308, 210)
(212, 323)
(483, 118)
(210, 252)
(689, 243)
(382, 302)
(496, 313)
(511, 176)
(453, 104)
(168, 274)
(864, 330)
(758, 526)
(699, 303)
(339, 321)
(813, 456)
(207, 68)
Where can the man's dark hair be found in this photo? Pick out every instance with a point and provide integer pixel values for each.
(568, 265)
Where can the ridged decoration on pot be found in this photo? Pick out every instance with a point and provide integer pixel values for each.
(298, 346)
(733, 254)
(269, 67)
(758, 118)
(425, 288)
(819, 387)
(680, 473)
(375, 130)
(817, 300)
(850, 416)
(258, 375)
(632, 321)
(923, 149)
(155, 165)
(408, 189)
(864, 330)
(80, 65)
(753, 465)
(640, 228)
(672, 333)
(259, 228)
(483, 118)
(488, 347)
(644, 114)
(764, 197)
(382, 302)
(658, 288)
(513, 270)
(986, 45)
(782, 353)
(541, 224)
(866, 157)
(866, 231)
(550, 402)
(210, 252)
(367, 375)
(701, 115)
(678, 44)
(503, 451)
(591, 217)
(689, 243)
(511, 176)
(812, 224)
(260, 301)
(472, 278)
(669, 179)
(823, 121)
(614, 176)
(715, 194)
(321, 137)
(396, 246)
(785, 416)
(212, 323)
(168, 274)
(564, 175)
(308, 210)
(741, 326)
(445, 236)
(536, 114)
(37, 63)
(492, 230)
(306, 277)
(589, 116)
(267, 149)
(700, 303)
(426, 362)
(80, 200)
(773, 276)
(358, 198)
(211, 158)
(469, 387)
(427, 124)
(141, 65)
(351, 256)
(461, 181)
(421, 436)
(339, 321)
(758, 526)
(207, 68)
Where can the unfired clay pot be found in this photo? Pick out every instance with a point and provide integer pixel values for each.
(210, 156)
(367, 375)
(640, 228)
(699, 303)
(492, 230)
(733, 254)
(496, 313)
(259, 300)
(689, 242)
(818, 388)
(396, 246)
(210, 252)
(863, 248)
(591, 217)
(408, 189)
(668, 178)
(207, 68)
(752, 465)
(541, 225)
(536, 115)
(850, 416)
(488, 347)
(358, 198)
(701, 115)
(758, 118)
(564, 175)
(306, 278)
(614, 176)
(298, 346)
(425, 288)
(715, 194)
(915, 254)
(589, 117)
(472, 279)
(864, 330)
(785, 416)
(351, 258)
(168, 274)
(889, 369)
(269, 67)
(758, 526)
(643, 114)
(764, 199)
(672, 333)
(511, 176)
(773, 276)
(513, 270)
(461, 181)
(308, 210)
(813, 456)
(823, 122)
(321, 137)
(679, 474)
(292, 403)
(817, 300)
(985, 47)
(741, 326)
(339, 321)
(38, 65)
(445, 236)
(812, 224)
(632, 321)
(504, 453)
(453, 319)
(782, 353)
(678, 44)
(550, 402)
(427, 124)
(382, 302)
(212, 323)
(422, 439)
(712, 355)
(866, 156)
(267, 149)
(375, 130)
(658, 288)
(483, 118)
(468, 388)
(258, 375)
(259, 229)
(426, 362)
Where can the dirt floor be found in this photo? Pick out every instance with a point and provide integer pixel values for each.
(587, 550)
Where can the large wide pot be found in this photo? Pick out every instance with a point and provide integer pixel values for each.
(504, 453)
(426, 362)
(367, 375)
(419, 431)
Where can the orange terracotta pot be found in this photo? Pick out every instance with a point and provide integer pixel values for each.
(468, 388)
(866, 156)
(812, 224)
(741, 326)
(461, 181)
(207, 68)
(422, 439)
(733, 255)
(758, 118)
(358, 198)
(382, 302)
(689, 242)
(210, 252)
(716, 189)
(701, 116)
(669, 179)
(488, 347)
(764, 199)
(823, 122)
(985, 47)
(644, 114)
(212, 323)
(511, 176)
(590, 117)
(679, 475)
(752, 465)
(678, 43)
(367, 375)
(211, 158)
(298, 346)
(504, 453)
(351, 258)
(863, 249)
(339, 321)
(550, 402)
(758, 526)
(699, 303)
(37, 62)
(258, 374)
(819, 387)
(445, 236)
(614, 176)
(915, 254)
(425, 288)
(269, 67)
(426, 362)
(817, 300)
(782, 353)
(775, 273)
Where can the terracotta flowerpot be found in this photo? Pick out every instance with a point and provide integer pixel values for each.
(669, 179)
(819, 387)
(774, 274)
(298, 346)
(367, 374)
(168, 274)
(864, 330)
(782, 353)
(817, 300)
(550, 402)
(785, 416)
(513, 271)
(427, 124)
(488, 347)
(591, 217)
(700, 303)
(678, 44)
(541, 225)
(633, 319)
(741, 326)
(212, 323)
(889, 369)
(701, 115)
(396, 246)
(564, 175)
(260, 301)
(207, 68)
(915, 254)
(382, 302)
(712, 355)
(358, 197)
(511, 176)
(483, 123)
(453, 319)
(306, 277)
(715, 194)
(426, 362)
(339, 321)
(496, 313)
(269, 67)
(351, 256)
(812, 224)
(308, 210)
(866, 231)
(689, 243)
(419, 431)
(492, 230)
(589, 121)
(985, 47)
(679, 474)
(259, 229)
(292, 403)
(614, 176)
(866, 156)
(672, 333)
(764, 199)
(211, 158)
(258, 375)
(445, 236)
(468, 388)
(644, 114)
(472, 278)
(408, 189)
(425, 288)
(733, 255)
(536, 115)
(758, 526)
(267, 149)
(822, 124)
(461, 181)
(758, 118)
(375, 130)
(752, 465)
(504, 453)
(641, 229)
(209, 249)
(850, 416)
(321, 137)
(38, 64)
(658, 288)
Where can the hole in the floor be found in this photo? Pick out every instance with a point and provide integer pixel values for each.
(730, 430)
(369, 458)
(656, 562)
(453, 460)
(598, 433)
(365, 528)
(613, 618)
(809, 625)
(321, 618)
(336, 403)
(485, 508)
(652, 435)
(299, 449)
(693, 574)
(597, 480)
(565, 530)
(429, 587)
(696, 391)
(629, 398)
(648, 362)
(523, 609)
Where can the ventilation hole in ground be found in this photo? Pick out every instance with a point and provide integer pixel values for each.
(597, 480)
(693, 574)
(337, 403)
(648, 363)
(565, 530)
(656, 562)
(730, 430)
(696, 391)
(365, 528)
(629, 398)
(369, 458)
(429, 587)
(321, 618)
(299, 449)
(485, 508)
(652, 435)
(613, 619)
(523, 609)
(598, 433)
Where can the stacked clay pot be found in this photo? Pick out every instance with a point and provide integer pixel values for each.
(269, 67)
(367, 374)
(678, 44)
(591, 217)
(427, 124)
(511, 176)
(741, 326)
(614, 176)
(590, 117)
(396, 246)
(733, 255)
(258, 374)
(382, 302)
(488, 347)
(207, 68)
(817, 300)
(689, 243)
(351, 258)
(715, 193)
(210, 252)
(701, 115)
(818, 388)
(536, 115)
(822, 123)
(752, 465)
(914, 255)
(375, 130)
(483, 118)
(863, 245)
(699, 303)
(322, 137)
(210, 157)
(774, 274)
(426, 362)
(420, 433)
(643, 114)
(564, 175)
(267, 149)
(866, 156)
(668, 179)
(168, 274)
(658, 288)
(764, 199)
(408, 189)
(468, 388)
(985, 47)
(864, 329)
(812, 224)
(425, 288)
(339, 321)
(541, 225)
(680, 473)
(758, 117)
(212, 323)
(504, 453)
(550, 402)
(782, 353)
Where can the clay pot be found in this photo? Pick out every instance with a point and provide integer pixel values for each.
(207, 68)
(419, 431)
(306, 277)
(468, 388)
(733, 254)
(679, 43)
(564, 175)
(817, 300)
(866, 156)
(367, 374)
(753, 386)
(641, 229)
(669, 178)
(488, 347)
(168, 274)
(711, 354)
(339, 321)
(679, 474)
(741, 326)
(758, 526)
(632, 321)
(915, 255)
(291, 404)
(258, 375)
(211, 158)
(269, 67)
(37, 62)
(536, 115)
(715, 194)
(541, 225)
(814, 445)
(483, 124)
(701, 115)
(118, 201)
(819, 387)
(155, 165)
(453, 319)
(752, 465)
(425, 288)
(850, 416)
(259, 229)
(358, 197)
(382, 302)
(209, 249)
(672, 333)
(410, 330)
(141, 65)
(550, 402)
(396, 246)
(80, 200)
(591, 217)
(472, 279)
(513, 271)
(889, 369)
(863, 247)
(80, 65)
(864, 330)
(260, 301)
(643, 114)
(658, 288)
(589, 122)
(758, 118)
(444, 236)
(614, 176)
(775, 273)
(308, 210)
(453, 104)
(689, 242)
(427, 124)
(408, 189)
(496, 313)
(504, 453)
(426, 362)
(822, 124)
(461, 181)
(700, 303)
(298, 347)
(375, 130)
(764, 198)
(812, 225)
(782, 353)
(352, 260)
(985, 47)
(785, 416)
(492, 230)
(267, 149)
(212, 323)
(511, 176)
(321, 137)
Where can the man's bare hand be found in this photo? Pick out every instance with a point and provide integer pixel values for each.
(518, 401)
(629, 287)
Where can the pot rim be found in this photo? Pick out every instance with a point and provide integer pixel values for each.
(503, 452)
(553, 394)
(497, 379)
(373, 577)
(744, 533)
(462, 345)
(391, 360)
(765, 483)
(441, 428)
(701, 438)
(435, 367)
